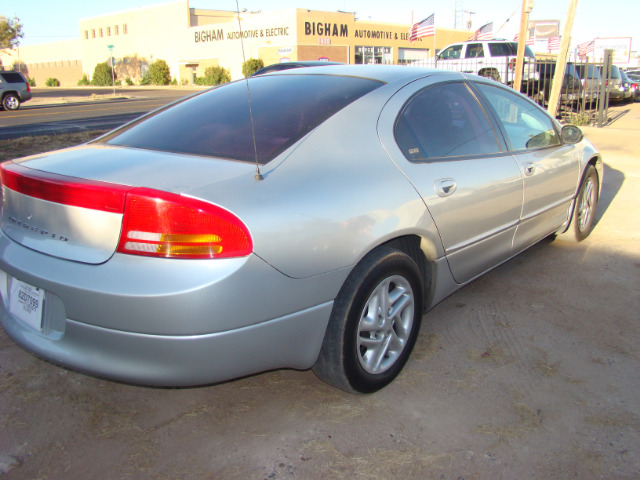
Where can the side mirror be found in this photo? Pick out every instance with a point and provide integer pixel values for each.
(571, 134)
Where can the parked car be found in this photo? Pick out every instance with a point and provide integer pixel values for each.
(14, 90)
(277, 67)
(591, 80)
(570, 92)
(630, 86)
(187, 248)
(494, 59)
(635, 84)
(616, 89)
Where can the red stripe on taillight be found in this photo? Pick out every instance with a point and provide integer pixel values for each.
(155, 223)
(167, 225)
(51, 187)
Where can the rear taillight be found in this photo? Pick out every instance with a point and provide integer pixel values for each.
(28, 87)
(76, 192)
(164, 224)
(155, 223)
(512, 64)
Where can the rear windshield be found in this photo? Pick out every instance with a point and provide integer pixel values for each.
(590, 72)
(505, 49)
(217, 123)
(12, 77)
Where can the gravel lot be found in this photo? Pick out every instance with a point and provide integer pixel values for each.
(531, 372)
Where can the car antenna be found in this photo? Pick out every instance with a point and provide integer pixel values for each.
(258, 175)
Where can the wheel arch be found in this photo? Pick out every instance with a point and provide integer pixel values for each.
(414, 247)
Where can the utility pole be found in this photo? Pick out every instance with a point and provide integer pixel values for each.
(469, 22)
(527, 6)
(561, 63)
(113, 75)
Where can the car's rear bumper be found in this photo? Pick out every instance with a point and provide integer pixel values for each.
(292, 341)
(168, 322)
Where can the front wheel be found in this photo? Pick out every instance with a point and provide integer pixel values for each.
(374, 323)
(584, 208)
(11, 102)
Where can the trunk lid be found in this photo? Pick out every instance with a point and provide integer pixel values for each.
(70, 203)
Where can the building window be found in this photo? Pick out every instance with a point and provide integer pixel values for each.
(86, 34)
(101, 33)
(93, 33)
(108, 31)
(373, 55)
(116, 29)
(124, 29)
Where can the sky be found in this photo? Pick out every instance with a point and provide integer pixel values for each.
(48, 21)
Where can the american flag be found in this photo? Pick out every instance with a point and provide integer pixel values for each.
(531, 40)
(485, 32)
(424, 28)
(554, 43)
(585, 48)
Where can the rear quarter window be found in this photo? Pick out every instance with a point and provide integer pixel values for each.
(12, 77)
(217, 122)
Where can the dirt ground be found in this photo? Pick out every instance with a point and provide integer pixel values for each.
(531, 372)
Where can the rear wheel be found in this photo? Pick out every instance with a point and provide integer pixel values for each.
(374, 323)
(584, 209)
(490, 73)
(11, 102)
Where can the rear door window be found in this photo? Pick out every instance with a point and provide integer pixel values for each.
(474, 50)
(444, 121)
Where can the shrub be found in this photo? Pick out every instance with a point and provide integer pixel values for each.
(84, 80)
(128, 81)
(214, 76)
(146, 79)
(174, 81)
(159, 72)
(102, 75)
(251, 66)
(52, 82)
(32, 82)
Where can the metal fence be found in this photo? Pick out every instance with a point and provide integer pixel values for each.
(584, 96)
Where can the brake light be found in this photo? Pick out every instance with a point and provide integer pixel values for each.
(154, 223)
(512, 64)
(28, 87)
(164, 224)
(77, 192)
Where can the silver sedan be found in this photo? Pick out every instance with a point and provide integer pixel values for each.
(299, 219)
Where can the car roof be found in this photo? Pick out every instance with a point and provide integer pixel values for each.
(276, 67)
(382, 73)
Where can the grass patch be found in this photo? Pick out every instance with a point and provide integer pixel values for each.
(23, 146)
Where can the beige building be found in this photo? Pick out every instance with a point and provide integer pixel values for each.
(190, 40)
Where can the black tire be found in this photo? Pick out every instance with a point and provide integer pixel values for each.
(584, 208)
(490, 73)
(361, 356)
(11, 102)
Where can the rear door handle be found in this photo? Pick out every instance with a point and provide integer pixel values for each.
(529, 169)
(445, 187)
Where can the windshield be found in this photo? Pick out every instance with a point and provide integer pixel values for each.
(217, 123)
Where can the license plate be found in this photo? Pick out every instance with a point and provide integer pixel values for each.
(25, 302)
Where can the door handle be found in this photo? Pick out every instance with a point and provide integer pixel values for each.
(529, 169)
(445, 187)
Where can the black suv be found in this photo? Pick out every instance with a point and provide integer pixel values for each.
(14, 89)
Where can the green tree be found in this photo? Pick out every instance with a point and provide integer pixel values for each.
(214, 76)
(159, 72)
(10, 32)
(251, 66)
(102, 75)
